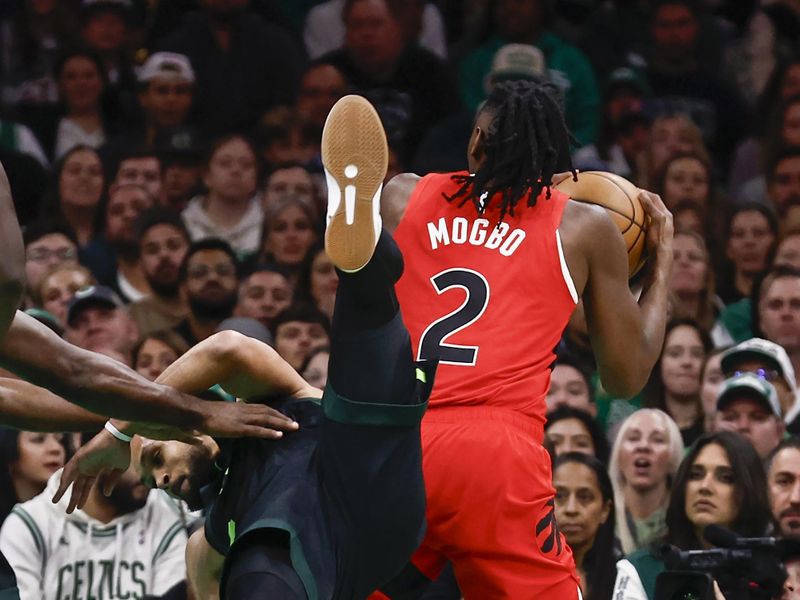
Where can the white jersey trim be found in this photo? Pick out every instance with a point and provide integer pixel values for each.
(565, 270)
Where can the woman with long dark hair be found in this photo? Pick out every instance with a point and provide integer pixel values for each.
(674, 384)
(721, 481)
(585, 515)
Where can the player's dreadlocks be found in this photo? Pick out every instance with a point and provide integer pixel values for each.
(526, 145)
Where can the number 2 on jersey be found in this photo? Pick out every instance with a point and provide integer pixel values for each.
(432, 342)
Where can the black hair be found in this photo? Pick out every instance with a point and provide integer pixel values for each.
(599, 563)
(157, 215)
(207, 244)
(601, 449)
(132, 154)
(750, 490)
(778, 157)
(654, 391)
(526, 144)
(790, 442)
(303, 312)
(38, 229)
(566, 359)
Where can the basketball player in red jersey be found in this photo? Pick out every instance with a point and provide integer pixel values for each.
(496, 262)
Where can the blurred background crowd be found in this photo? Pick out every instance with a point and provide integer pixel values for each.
(164, 158)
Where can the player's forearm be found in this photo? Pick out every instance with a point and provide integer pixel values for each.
(90, 380)
(653, 304)
(12, 251)
(31, 408)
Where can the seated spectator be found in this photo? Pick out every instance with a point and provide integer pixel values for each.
(156, 351)
(47, 245)
(624, 127)
(32, 38)
(584, 511)
(692, 280)
(710, 382)
(85, 111)
(291, 228)
(321, 86)
(59, 286)
(783, 479)
(285, 137)
(690, 216)
(209, 281)
(181, 169)
(324, 29)
(410, 86)
(720, 482)
(263, 294)
(783, 185)
(229, 209)
(680, 81)
(105, 27)
(768, 361)
(787, 252)
(139, 166)
(97, 320)
(315, 368)
(29, 459)
(290, 180)
(243, 64)
(749, 406)
(570, 386)
(297, 331)
(318, 280)
(644, 459)
(750, 235)
(119, 242)
(671, 133)
(77, 188)
(686, 177)
(162, 245)
(674, 384)
(133, 540)
(570, 429)
(523, 22)
(777, 312)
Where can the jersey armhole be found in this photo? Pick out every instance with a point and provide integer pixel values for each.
(573, 292)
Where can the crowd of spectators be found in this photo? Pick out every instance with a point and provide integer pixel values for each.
(165, 163)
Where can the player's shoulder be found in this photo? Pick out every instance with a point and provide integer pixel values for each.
(584, 221)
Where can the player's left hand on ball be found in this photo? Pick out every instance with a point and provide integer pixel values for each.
(103, 457)
(240, 419)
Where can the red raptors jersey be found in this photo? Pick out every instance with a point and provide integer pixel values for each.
(491, 303)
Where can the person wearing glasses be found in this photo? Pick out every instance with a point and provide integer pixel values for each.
(768, 361)
(209, 280)
(47, 245)
(748, 405)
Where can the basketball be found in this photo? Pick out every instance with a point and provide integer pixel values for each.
(621, 199)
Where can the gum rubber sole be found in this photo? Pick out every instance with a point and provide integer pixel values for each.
(355, 155)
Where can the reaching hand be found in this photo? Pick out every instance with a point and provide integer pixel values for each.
(660, 229)
(239, 419)
(105, 456)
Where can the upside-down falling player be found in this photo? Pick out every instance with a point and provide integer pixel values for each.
(491, 302)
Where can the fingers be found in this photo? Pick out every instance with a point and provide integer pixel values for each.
(80, 492)
(67, 477)
(263, 433)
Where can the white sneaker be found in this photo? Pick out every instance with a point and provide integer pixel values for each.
(355, 155)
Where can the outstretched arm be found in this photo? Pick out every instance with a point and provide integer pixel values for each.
(31, 408)
(103, 385)
(12, 251)
(244, 367)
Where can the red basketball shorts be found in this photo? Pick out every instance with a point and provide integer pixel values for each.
(491, 507)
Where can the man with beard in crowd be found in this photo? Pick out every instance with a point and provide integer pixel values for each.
(783, 485)
(264, 294)
(163, 242)
(209, 278)
(132, 541)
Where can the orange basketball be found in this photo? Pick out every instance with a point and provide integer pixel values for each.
(621, 199)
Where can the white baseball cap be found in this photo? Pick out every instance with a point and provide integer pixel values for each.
(749, 385)
(167, 65)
